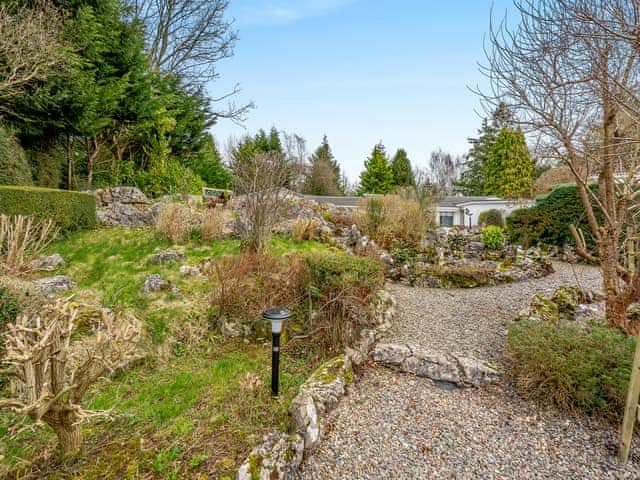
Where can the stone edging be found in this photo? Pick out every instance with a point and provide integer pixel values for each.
(280, 454)
(461, 370)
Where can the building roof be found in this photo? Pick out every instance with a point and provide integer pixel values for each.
(459, 200)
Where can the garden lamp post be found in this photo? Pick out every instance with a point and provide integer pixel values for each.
(468, 213)
(277, 317)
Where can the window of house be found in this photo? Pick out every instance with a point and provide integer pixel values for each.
(446, 219)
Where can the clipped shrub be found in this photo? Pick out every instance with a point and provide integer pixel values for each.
(394, 222)
(492, 237)
(547, 222)
(14, 165)
(491, 217)
(570, 366)
(21, 239)
(69, 210)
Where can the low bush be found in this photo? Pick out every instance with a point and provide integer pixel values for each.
(305, 229)
(330, 294)
(69, 210)
(491, 217)
(574, 367)
(394, 222)
(213, 224)
(492, 237)
(547, 222)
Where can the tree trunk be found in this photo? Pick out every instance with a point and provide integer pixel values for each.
(67, 427)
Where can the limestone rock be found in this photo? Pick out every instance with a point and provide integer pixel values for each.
(276, 458)
(190, 271)
(57, 283)
(461, 370)
(122, 195)
(155, 283)
(567, 298)
(47, 263)
(541, 308)
(124, 215)
(166, 257)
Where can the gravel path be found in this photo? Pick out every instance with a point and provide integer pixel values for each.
(395, 426)
(474, 320)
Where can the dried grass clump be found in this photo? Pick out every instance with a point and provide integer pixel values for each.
(22, 238)
(247, 284)
(303, 229)
(394, 222)
(213, 224)
(177, 222)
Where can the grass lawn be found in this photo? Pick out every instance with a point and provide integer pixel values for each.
(193, 411)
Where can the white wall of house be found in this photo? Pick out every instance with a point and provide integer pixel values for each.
(475, 209)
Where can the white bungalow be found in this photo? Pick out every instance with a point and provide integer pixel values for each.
(460, 210)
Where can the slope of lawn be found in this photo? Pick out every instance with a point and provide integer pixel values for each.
(193, 411)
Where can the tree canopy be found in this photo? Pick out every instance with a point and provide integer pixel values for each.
(377, 176)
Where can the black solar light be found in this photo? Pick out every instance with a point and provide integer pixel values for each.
(277, 317)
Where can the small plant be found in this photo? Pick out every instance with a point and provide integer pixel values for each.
(22, 238)
(52, 369)
(493, 237)
(491, 217)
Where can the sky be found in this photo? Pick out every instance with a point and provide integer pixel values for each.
(361, 72)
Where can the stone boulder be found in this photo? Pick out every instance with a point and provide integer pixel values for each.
(190, 271)
(125, 215)
(47, 263)
(121, 195)
(155, 283)
(452, 368)
(542, 309)
(57, 283)
(167, 257)
(276, 458)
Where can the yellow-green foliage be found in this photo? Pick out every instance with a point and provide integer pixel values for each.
(69, 210)
(492, 237)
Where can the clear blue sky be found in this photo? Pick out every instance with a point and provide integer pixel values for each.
(360, 71)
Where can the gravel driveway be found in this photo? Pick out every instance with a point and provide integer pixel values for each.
(396, 426)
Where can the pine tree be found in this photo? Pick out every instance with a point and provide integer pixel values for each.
(377, 176)
(472, 178)
(401, 167)
(323, 153)
(509, 168)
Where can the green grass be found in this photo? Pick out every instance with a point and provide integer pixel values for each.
(197, 415)
(192, 412)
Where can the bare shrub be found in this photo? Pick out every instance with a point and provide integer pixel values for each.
(394, 222)
(260, 179)
(51, 369)
(22, 238)
(176, 222)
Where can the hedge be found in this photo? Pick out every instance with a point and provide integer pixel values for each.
(68, 209)
(547, 222)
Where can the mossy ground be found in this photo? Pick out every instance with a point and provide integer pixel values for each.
(193, 412)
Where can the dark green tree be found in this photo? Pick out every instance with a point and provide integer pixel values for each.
(401, 167)
(377, 176)
(320, 175)
(509, 167)
(472, 177)
(208, 165)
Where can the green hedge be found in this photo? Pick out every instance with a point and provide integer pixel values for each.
(573, 367)
(547, 222)
(68, 209)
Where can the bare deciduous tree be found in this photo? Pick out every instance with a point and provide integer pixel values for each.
(188, 38)
(260, 180)
(444, 169)
(570, 70)
(51, 370)
(31, 47)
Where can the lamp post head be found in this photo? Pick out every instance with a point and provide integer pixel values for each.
(277, 317)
